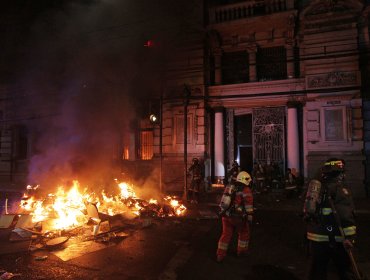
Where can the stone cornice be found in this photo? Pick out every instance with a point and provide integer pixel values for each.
(288, 85)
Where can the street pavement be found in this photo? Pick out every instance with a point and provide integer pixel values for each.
(185, 247)
(278, 248)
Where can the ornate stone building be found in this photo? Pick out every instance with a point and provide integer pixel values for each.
(284, 86)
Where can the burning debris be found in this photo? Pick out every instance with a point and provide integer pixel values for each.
(64, 210)
(73, 218)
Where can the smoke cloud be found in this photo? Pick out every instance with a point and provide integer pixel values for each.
(87, 75)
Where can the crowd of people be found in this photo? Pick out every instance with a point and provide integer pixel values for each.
(271, 176)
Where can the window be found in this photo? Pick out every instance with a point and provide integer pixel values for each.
(335, 125)
(271, 64)
(146, 144)
(138, 142)
(235, 67)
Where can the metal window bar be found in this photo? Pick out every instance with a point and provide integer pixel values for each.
(146, 144)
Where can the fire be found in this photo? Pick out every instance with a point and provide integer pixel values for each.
(67, 209)
(178, 208)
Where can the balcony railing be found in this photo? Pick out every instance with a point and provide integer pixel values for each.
(247, 9)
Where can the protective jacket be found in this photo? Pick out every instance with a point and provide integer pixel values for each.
(237, 201)
(324, 227)
(196, 171)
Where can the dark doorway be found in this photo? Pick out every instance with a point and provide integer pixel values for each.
(243, 139)
(245, 158)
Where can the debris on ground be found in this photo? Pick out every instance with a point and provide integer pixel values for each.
(9, 275)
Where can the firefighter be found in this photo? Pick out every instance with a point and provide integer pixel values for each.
(258, 177)
(323, 230)
(236, 212)
(290, 185)
(196, 172)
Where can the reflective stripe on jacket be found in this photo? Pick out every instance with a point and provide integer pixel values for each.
(348, 231)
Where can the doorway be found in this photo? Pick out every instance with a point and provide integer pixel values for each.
(243, 142)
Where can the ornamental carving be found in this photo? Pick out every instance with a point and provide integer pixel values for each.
(333, 79)
(327, 6)
(335, 24)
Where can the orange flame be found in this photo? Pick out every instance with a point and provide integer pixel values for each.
(67, 209)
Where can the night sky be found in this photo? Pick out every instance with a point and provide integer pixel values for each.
(77, 73)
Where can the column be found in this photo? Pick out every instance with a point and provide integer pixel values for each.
(252, 65)
(219, 164)
(293, 138)
(290, 61)
(218, 75)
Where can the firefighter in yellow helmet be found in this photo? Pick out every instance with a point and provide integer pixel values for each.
(331, 227)
(236, 212)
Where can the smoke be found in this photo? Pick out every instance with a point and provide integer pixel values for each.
(147, 186)
(87, 76)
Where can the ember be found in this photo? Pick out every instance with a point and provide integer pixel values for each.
(67, 209)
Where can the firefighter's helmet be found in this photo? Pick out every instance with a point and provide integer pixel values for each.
(244, 178)
(333, 166)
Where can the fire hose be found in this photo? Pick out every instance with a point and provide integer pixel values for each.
(358, 274)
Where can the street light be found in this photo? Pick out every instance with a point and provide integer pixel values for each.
(158, 120)
(153, 119)
(187, 93)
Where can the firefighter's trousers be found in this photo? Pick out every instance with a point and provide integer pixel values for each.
(229, 224)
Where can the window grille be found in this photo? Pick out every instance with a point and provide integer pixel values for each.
(146, 144)
(268, 135)
(271, 64)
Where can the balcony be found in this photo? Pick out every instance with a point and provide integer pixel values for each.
(246, 9)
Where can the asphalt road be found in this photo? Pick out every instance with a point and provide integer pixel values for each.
(184, 248)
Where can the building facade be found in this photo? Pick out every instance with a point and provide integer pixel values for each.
(283, 88)
(273, 83)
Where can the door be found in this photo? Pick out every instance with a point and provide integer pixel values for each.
(268, 136)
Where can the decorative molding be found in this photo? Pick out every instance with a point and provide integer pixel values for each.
(251, 48)
(327, 6)
(333, 79)
(287, 85)
(332, 23)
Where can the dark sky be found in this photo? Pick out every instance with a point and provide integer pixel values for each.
(79, 75)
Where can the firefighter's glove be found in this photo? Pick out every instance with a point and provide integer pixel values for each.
(348, 244)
